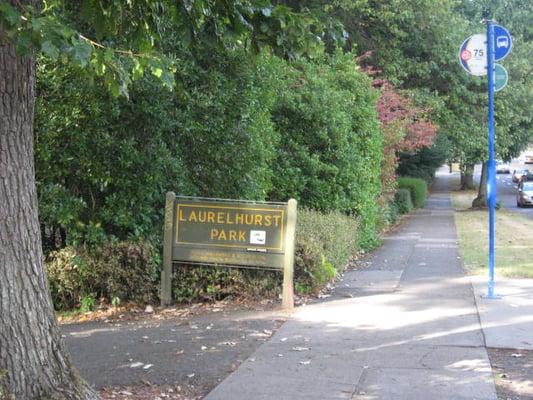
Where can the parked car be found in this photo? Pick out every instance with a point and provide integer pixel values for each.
(528, 158)
(502, 167)
(518, 174)
(524, 194)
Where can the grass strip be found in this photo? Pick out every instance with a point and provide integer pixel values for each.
(514, 244)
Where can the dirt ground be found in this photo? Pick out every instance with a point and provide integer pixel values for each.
(513, 373)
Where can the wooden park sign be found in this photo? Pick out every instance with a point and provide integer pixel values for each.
(231, 233)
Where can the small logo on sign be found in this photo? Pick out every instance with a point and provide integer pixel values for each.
(257, 237)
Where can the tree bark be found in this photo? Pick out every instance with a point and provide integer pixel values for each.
(33, 361)
(467, 177)
(481, 200)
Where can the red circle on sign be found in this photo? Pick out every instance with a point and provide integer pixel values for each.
(466, 55)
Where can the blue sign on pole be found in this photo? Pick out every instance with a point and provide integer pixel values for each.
(502, 42)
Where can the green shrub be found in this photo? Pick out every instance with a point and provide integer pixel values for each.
(324, 243)
(402, 200)
(392, 213)
(116, 272)
(330, 150)
(417, 187)
(225, 123)
(208, 283)
(423, 162)
(103, 164)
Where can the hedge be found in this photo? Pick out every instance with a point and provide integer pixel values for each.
(120, 272)
(417, 187)
(403, 200)
(115, 273)
(324, 243)
(256, 128)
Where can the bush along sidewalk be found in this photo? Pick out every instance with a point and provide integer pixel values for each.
(417, 187)
(121, 272)
(403, 201)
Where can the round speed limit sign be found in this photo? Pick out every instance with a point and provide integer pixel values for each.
(473, 54)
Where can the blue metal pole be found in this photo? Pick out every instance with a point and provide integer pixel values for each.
(491, 184)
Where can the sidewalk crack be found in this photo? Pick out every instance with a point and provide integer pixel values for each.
(359, 382)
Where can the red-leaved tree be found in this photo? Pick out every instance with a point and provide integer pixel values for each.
(406, 127)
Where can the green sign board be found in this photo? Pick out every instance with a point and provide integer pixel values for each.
(235, 233)
(228, 233)
(500, 77)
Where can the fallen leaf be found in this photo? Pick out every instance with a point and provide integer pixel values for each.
(136, 365)
(298, 348)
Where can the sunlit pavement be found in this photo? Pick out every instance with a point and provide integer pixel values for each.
(507, 322)
(407, 327)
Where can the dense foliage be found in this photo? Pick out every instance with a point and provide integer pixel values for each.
(418, 188)
(113, 273)
(403, 201)
(239, 127)
(102, 163)
(330, 149)
(324, 243)
(121, 272)
(331, 129)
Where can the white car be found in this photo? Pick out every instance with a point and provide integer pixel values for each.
(502, 168)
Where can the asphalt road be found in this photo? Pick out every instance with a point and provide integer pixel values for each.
(507, 189)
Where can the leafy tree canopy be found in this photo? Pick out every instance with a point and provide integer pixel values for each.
(120, 40)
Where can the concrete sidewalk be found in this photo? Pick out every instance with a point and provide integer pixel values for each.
(507, 322)
(407, 327)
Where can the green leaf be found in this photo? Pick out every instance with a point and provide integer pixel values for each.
(114, 87)
(48, 48)
(267, 12)
(138, 69)
(10, 14)
(82, 52)
(157, 71)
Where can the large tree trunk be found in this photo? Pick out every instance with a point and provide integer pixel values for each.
(33, 361)
(481, 200)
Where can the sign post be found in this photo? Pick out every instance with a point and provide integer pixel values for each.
(166, 273)
(287, 300)
(477, 56)
(491, 182)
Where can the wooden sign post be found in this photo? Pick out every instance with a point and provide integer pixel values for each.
(229, 233)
